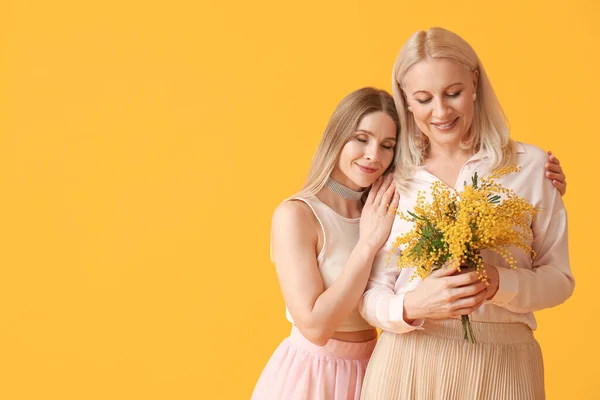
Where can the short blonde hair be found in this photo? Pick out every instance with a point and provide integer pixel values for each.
(489, 129)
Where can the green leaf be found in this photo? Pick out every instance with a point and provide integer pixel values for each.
(494, 199)
(412, 214)
(474, 179)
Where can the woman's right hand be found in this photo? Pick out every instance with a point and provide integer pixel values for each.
(377, 218)
(445, 294)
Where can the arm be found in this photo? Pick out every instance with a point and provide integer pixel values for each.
(550, 281)
(394, 302)
(555, 173)
(380, 305)
(317, 311)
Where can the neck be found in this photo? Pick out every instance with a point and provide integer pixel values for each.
(344, 207)
(450, 153)
(344, 200)
(342, 190)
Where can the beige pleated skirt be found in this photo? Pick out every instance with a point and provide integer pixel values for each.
(438, 364)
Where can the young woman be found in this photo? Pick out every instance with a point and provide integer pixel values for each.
(324, 239)
(451, 126)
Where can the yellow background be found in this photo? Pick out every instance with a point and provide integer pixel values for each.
(144, 145)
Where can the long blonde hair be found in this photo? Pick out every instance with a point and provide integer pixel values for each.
(342, 124)
(489, 129)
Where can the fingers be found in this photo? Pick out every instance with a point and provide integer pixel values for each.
(395, 201)
(466, 311)
(561, 186)
(385, 183)
(556, 176)
(443, 271)
(552, 158)
(467, 291)
(555, 172)
(467, 305)
(553, 167)
(374, 189)
(387, 196)
(463, 279)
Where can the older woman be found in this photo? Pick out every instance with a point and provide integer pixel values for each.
(451, 126)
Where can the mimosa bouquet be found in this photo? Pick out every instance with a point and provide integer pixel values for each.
(453, 228)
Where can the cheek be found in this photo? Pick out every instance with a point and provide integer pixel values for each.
(387, 159)
(467, 108)
(351, 151)
(421, 119)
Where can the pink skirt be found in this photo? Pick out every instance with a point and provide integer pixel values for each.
(301, 370)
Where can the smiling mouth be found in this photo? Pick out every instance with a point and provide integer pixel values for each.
(445, 125)
(367, 169)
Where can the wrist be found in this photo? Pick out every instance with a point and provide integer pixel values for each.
(493, 281)
(368, 246)
(408, 310)
(492, 289)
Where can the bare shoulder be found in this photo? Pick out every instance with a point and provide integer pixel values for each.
(294, 216)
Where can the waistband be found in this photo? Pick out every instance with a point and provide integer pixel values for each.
(485, 332)
(334, 348)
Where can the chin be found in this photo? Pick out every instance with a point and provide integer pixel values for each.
(448, 138)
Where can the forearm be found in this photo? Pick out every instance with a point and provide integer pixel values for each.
(550, 282)
(334, 305)
(383, 308)
(523, 290)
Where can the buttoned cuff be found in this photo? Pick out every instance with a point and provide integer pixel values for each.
(397, 315)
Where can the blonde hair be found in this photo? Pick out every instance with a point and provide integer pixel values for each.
(342, 124)
(489, 129)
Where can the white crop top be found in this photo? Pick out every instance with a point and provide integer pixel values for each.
(340, 236)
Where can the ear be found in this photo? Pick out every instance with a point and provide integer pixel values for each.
(475, 80)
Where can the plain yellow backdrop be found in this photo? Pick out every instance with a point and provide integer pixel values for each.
(144, 146)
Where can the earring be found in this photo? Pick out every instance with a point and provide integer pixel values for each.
(474, 96)
(409, 109)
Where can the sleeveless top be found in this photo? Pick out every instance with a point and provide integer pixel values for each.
(340, 235)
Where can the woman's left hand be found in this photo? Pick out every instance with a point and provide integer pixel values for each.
(555, 173)
(493, 280)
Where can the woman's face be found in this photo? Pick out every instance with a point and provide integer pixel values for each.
(368, 153)
(439, 93)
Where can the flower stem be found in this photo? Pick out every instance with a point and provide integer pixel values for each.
(467, 329)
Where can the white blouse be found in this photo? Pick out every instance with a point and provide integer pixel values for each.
(543, 283)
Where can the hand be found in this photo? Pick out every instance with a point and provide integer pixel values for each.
(377, 218)
(493, 280)
(554, 171)
(445, 294)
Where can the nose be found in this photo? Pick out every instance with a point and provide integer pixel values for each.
(440, 109)
(373, 151)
